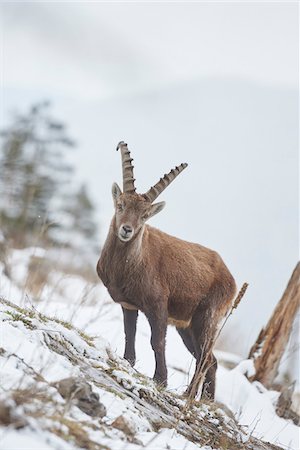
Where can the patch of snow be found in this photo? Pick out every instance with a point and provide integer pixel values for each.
(228, 357)
(168, 439)
(246, 367)
(254, 409)
(32, 351)
(8, 289)
(30, 440)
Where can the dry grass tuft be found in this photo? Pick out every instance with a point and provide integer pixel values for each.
(75, 433)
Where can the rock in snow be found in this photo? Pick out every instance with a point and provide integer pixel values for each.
(80, 392)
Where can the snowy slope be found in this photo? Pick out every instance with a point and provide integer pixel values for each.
(38, 352)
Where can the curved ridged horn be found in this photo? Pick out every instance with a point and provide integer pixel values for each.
(127, 168)
(164, 182)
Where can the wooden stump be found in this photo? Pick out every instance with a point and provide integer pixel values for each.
(273, 339)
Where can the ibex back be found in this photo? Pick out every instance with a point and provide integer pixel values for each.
(170, 280)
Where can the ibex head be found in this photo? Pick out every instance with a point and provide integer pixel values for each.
(132, 210)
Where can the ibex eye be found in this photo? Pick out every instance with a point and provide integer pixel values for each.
(120, 207)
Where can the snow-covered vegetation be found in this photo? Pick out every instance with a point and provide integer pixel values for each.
(64, 384)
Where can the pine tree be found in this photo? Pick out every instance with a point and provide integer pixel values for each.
(34, 176)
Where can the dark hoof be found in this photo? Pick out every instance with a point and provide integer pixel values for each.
(207, 396)
(160, 381)
(191, 391)
(130, 359)
(186, 393)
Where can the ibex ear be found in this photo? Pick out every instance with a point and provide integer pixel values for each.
(156, 208)
(116, 192)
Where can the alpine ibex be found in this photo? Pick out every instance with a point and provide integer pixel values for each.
(170, 280)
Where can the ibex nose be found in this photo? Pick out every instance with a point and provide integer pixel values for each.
(125, 232)
(127, 229)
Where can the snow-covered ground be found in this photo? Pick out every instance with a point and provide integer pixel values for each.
(89, 308)
(33, 360)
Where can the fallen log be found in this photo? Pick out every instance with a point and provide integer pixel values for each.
(273, 339)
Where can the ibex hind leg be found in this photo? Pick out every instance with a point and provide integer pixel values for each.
(205, 375)
(203, 332)
(187, 338)
(209, 385)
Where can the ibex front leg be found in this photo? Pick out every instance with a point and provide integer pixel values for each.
(158, 322)
(130, 319)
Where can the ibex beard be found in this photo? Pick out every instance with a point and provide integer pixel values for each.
(170, 280)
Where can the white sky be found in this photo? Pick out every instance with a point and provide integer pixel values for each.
(95, 50)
